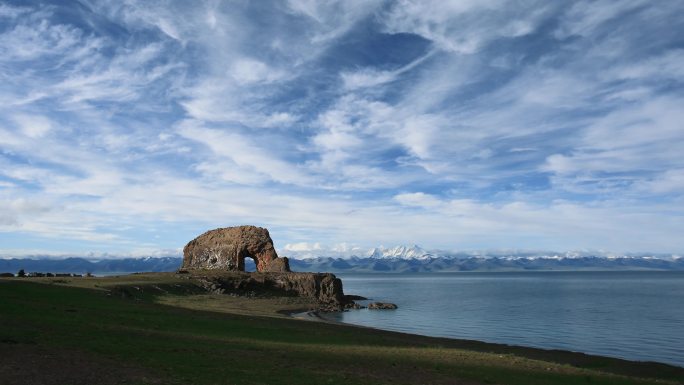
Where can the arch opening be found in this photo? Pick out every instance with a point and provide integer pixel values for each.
(247, 263)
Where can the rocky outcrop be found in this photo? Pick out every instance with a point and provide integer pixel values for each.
(280, 264)
(226, 249)
(215, 261)
(323, 288)
(381, 306)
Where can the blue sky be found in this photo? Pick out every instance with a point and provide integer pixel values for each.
(130, 127)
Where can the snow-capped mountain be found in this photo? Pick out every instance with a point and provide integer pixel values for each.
(346, 251)
(399, 252)
(398, 259)
(416, 252)
(449, 264)
(411, 259)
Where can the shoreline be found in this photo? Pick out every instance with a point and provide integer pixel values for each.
(308, 315)
(321, 344)
(574, 358)
(303, 312)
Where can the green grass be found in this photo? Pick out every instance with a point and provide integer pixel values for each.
(189, 346)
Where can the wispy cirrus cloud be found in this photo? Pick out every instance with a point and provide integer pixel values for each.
(133, 125)
(465, 27)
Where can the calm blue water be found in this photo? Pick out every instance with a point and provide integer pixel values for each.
(632, 315)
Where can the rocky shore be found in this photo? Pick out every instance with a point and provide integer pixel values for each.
(325, 289)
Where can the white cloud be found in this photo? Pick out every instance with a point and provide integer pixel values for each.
(33, 126)
(302, 246)
(670, 181)
(122, 79)
(247, 71)
(217, 100)
(11, 12)
(28, 41)
(642, 137)
(136, 15)
(584, 17)
(463, 26)
(370, 77)
(665, 66)
(247, 157)
(29, 215)
(333, 18)
(418, 199)
(71, 68)
(191, 115)
(367, 77)
(614, 225)
(304, 250)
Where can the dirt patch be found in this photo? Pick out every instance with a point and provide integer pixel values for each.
(22, 364)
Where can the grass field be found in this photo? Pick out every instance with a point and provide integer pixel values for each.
(79, 332)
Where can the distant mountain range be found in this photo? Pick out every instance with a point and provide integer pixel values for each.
(417, 252)
(83, 265)
(401, 252)
(414, 259)
(442, 264)
(399, 259)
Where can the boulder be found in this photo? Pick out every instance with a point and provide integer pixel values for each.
(226, 249)
(381, 306)
(353, 297)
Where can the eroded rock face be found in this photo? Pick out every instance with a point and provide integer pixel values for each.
(324, 288)
(226, 249)
(216, 261)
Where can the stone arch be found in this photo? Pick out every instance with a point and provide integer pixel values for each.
(227, 248)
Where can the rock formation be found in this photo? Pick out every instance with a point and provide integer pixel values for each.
(216, 261)
(227, 248)
(382, 306)
(324, 288)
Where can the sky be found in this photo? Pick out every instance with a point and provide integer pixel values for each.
(129, 127)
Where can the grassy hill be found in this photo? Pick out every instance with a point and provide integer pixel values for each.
(123, 330)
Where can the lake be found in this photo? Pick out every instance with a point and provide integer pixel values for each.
(632, 315)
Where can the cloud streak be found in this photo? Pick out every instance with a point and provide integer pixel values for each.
(137, 125)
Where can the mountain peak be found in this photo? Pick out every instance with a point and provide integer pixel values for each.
(399, 252)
